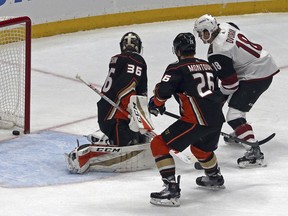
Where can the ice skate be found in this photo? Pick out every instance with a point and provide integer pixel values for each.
(168, 196)
(252, 158)
(98, 137)
(211, 181)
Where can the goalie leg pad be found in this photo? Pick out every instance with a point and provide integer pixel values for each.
(122, 159)
(110, 158)
(77, 161)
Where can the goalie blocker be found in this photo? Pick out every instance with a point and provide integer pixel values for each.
(140, 120)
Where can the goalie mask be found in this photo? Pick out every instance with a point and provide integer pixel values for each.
(205, 23)
(131, 42)
(185, 43)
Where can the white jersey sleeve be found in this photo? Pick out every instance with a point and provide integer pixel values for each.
(249, 59)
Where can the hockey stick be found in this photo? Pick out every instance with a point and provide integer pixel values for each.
(143, 120)
(102, 95)
(236, 139)
(172, 115)
(185, 158)
(252, 144)
(149, 134)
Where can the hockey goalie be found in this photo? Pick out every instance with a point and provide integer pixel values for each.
(101, 155)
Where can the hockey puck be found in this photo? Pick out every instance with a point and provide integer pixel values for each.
(16, 132)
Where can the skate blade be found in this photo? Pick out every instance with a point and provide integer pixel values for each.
(218, 187)
(247, 165)
(251, 166)
(173, 202)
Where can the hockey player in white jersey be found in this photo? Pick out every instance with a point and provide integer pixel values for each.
(245, 70)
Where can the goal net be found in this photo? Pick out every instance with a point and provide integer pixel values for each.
(15, 72)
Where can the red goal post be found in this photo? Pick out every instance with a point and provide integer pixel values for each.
(15, 72)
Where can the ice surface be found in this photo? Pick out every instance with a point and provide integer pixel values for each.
(33, 178)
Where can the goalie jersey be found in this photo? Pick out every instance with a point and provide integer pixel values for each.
(127, 76)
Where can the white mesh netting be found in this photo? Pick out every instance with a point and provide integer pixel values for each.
(12, 73)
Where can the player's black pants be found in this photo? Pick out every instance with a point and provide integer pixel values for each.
(182, 134)
(248, 93)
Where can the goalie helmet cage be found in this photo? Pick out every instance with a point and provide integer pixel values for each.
(15, 72)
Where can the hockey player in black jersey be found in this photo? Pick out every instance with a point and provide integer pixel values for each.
(127, 76)
(245, 70)
(123, 117)
(192, 81)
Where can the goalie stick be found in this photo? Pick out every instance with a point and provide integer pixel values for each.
(102, 95)
(146, 123)
(189, 159)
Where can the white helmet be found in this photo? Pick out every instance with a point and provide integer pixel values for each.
(205, 22)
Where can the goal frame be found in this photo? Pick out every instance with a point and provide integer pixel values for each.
(13, 21)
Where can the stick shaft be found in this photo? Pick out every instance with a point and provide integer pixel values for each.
(171, 115)
(102, 95)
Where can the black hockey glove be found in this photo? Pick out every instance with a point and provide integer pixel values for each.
(155, 110)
